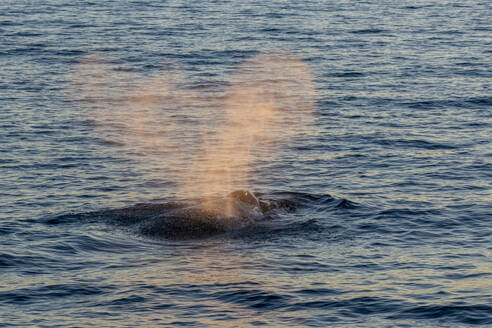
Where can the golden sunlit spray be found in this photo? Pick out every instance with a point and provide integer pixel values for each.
(269, 98)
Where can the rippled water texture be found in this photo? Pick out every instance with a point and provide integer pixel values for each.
(361, 129)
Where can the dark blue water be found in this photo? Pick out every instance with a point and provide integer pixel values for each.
(376, 204)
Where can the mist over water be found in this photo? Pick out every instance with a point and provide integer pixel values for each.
(267, 99)
(242, 164)
(270, 99)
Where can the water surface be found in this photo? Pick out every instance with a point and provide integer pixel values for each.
(385, 216)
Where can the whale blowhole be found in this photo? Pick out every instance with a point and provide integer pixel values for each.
(245, 197)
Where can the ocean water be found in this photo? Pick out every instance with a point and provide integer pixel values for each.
(362, 127)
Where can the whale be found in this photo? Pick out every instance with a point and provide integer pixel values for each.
(201, 217)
